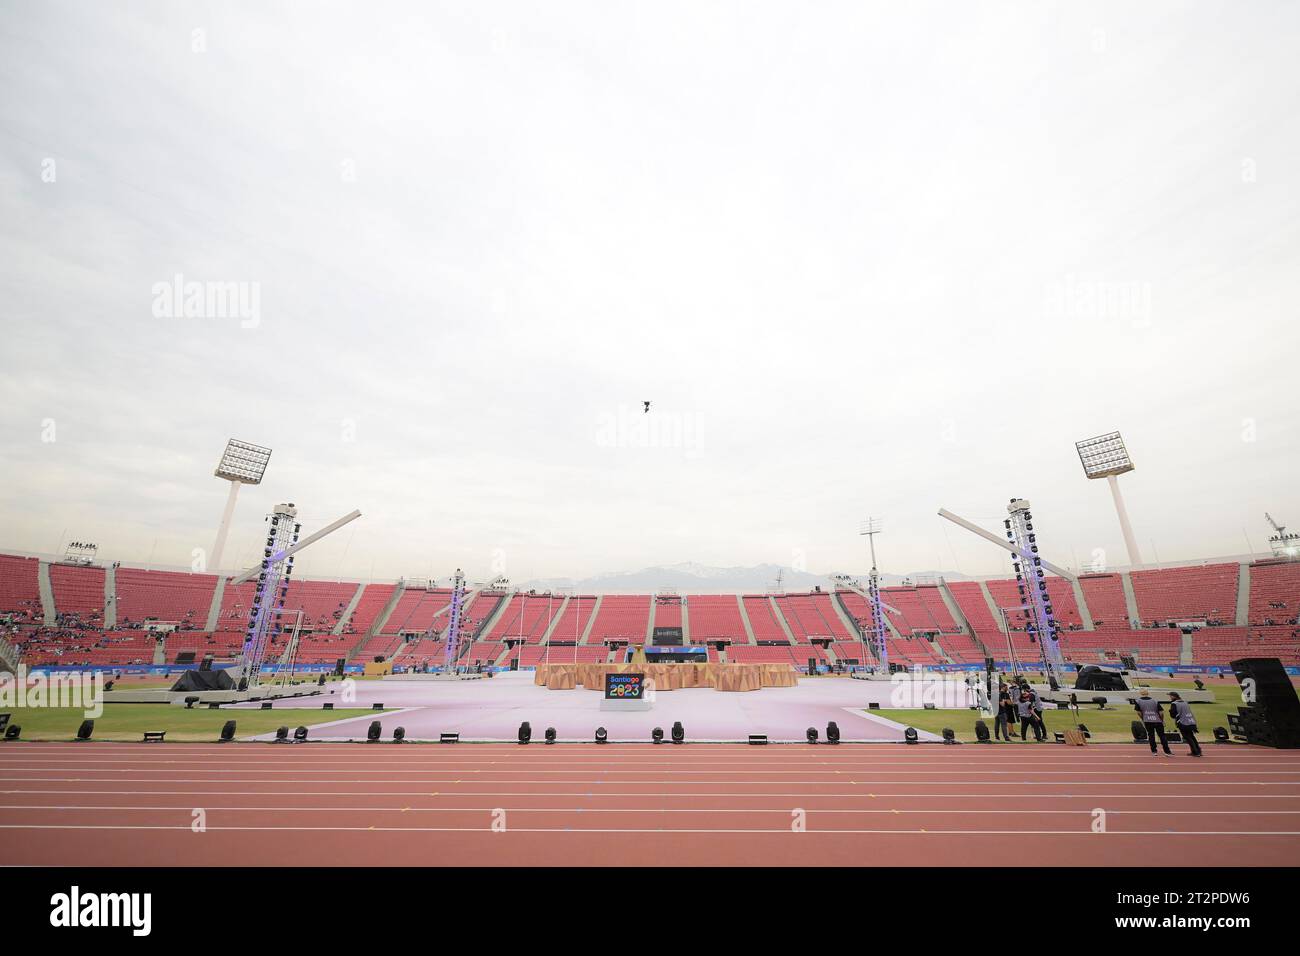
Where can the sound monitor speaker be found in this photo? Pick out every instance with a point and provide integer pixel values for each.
(1272, 718)
(338, 665)
(812, 665)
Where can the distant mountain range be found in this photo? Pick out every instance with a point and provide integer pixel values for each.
(692, 578)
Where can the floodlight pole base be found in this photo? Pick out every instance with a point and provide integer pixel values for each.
(1130, 542)
(223, 530)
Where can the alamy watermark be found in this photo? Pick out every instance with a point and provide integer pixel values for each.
(182, 299)
(76, 690)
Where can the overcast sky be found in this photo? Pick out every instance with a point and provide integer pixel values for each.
(864, 259)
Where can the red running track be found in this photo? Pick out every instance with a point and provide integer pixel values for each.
(697, 804)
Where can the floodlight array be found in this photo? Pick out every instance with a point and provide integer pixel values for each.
(243, 462)
(1104, 456)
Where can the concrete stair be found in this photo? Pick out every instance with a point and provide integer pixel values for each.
(47, 594)
(1084, 611)
(110, 597)
(780, 618)
(744, 619)
(1130, 599)
(591, 620)
(214, 609)
(1243, 594)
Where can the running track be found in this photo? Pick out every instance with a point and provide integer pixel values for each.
(878, 805)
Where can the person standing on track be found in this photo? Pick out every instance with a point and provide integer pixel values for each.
(1040, 724)
(1153, 719)
(1002, 719)
(1025, 710)
(1185, 721)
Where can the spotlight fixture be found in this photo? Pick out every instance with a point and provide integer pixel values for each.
(525, 732)
(811, 734)
(981, 732)
(300, 735)
(1139, 732)
(85, 730)
(281, 735)
(909, 735)
(657, 735)
(12, 731)
(1221, 735)
(601, 735)
(399, 735)
(550, 735)
(190, 702)
(832, 733)
(227, 732)
(949, 735)
(679, 735)
(375, 730)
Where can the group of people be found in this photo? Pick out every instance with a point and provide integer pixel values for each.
(1152, 714)
(1021, 704)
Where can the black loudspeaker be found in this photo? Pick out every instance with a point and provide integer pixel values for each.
(514, 663)
(1272, 719)
(338, 666)
(812, 665)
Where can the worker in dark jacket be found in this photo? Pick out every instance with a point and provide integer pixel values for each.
(1185, 721)
(1153, 719)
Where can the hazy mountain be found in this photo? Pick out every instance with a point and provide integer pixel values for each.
(691, 578)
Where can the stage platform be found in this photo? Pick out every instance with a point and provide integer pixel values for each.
(492, 710)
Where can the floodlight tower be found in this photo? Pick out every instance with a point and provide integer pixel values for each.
(872, 527)
(1106, 457)
(242, 463)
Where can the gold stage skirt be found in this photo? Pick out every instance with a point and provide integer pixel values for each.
(725, 677)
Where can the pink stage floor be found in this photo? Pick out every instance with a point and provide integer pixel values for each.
(493, 710)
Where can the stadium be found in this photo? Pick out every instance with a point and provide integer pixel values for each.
(193, 660)
(605, 436)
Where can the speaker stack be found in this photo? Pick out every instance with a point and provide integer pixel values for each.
(1273, 720)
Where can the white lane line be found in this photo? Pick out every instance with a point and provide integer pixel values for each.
(569, 830)
(586, 780)
(580, 810)
(804, 794)
(508, 767)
